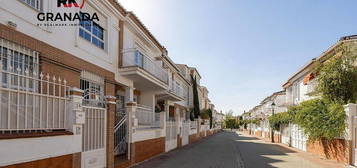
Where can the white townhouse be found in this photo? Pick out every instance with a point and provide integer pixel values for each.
(79, 92)
(58, 82)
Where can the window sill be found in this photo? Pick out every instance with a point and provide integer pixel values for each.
(33, 135)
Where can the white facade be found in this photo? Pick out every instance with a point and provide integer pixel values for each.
(67, 38)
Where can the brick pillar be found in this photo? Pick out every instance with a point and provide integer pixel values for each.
(132, 124)
(76, 121)
(111, 107)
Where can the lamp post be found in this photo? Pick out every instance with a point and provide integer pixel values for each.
(272, 129)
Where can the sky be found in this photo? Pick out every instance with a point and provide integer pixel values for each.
(245, 49)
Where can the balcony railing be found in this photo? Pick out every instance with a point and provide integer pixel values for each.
(146, 116)
(137, 59)
(311, 86)
(176, 89)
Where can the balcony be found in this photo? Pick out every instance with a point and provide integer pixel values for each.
(174, 93)
(144, 71)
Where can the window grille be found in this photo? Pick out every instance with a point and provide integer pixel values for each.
(21, 61)
(93, 87)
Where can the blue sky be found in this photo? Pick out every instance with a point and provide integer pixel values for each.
(245, 49)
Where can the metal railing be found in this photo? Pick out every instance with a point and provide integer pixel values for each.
(311, 86)
(176, 89)
(171, 130)
(32, 102)
(135, 58)
(146, 116)
(194, 124)
(94, 128)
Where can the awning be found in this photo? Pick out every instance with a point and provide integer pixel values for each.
(308, 78)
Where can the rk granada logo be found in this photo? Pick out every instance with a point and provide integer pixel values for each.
(71, 3)
(62, 18)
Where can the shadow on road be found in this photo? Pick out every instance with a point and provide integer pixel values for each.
(256, 153)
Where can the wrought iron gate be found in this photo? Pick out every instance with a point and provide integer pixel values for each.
(121, 128)
(94, 130)
(171, 135)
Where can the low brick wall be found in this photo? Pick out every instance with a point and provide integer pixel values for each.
(245, 131)
(266, 134)
(333, 149)
(193, 138)
(258, 133)
(65, 161)
(277, 137)
(146, 149)
(179, 141)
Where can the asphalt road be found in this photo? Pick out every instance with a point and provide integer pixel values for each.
(230, 150)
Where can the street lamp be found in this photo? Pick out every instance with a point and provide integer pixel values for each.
(272, 129)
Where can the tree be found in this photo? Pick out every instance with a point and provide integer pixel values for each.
(229, 114)
(196, 102)
(230, 123)
(338, 76)
(210, 118)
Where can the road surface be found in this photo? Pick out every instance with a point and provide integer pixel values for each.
(231, 150)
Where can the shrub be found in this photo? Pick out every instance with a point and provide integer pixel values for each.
(320, 119)
(278, 119)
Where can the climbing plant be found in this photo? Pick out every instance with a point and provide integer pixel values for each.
(278, 119)
(320, 118)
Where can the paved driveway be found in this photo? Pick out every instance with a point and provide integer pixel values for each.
(230, 150)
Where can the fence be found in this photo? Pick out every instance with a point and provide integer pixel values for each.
(146, 116)
(30, 101)
(193, 124)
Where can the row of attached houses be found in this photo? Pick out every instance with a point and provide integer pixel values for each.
(87, 85)
(301, 87)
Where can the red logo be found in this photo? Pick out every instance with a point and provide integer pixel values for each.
(70, 3)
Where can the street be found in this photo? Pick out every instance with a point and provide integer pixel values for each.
(230, 150)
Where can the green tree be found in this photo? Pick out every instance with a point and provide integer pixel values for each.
(196, 102)
(338, 76)
(230, 123)
(210, 118)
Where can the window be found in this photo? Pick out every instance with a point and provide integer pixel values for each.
(36, 4)
(92, 32)
(19, 67)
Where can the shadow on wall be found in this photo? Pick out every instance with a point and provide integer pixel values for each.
(259, 154)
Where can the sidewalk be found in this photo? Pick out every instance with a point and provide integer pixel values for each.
(304, 155)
